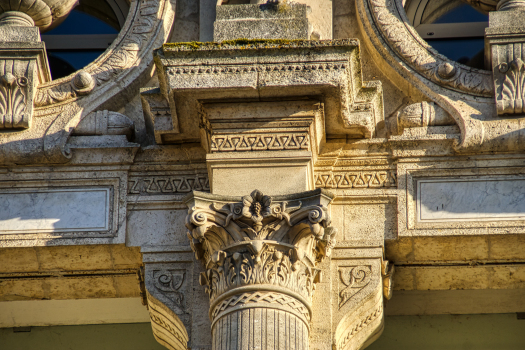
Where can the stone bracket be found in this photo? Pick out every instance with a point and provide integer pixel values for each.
(167, 291)
(357, 282)
(170, 275)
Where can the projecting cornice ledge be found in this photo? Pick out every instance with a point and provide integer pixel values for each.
(192, 75)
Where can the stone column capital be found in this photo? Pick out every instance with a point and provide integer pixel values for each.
(260, 254)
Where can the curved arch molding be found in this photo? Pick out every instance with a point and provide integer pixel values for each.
(60, 105)
(466, 93)
(392, 24)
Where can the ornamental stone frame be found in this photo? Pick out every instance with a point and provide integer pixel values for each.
(467, 94)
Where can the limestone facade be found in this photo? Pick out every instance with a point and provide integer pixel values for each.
(262, 175)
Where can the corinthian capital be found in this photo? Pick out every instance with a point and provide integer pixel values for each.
(260, 255)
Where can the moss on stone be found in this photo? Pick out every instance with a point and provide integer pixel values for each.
(241, 43)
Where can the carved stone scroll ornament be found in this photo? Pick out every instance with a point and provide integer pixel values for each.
(422, 114)
(260, 255)
(467, 94)
(388, 18)
(62, 103)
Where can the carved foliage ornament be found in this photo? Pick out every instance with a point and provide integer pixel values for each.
(13, 92)
(169, 283)
(390, 19)
(259, 241)
(512, 97)
(353, 278)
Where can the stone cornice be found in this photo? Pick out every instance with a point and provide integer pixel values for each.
(257, 70)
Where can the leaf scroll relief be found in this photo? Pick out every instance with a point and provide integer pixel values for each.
(13, 91)
(126, 52)
(353, 278)
(169, 282)
(512, 97)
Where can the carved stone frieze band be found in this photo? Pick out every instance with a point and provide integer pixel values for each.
(357, 179)
(260, 256)
(321, 66)
(152, 185)
(263, 142)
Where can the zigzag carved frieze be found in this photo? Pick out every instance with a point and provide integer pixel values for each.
(357, 179)
(254, 142)
(168, 184)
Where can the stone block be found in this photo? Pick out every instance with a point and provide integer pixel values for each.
(285, 21)
(274, 173)
(450, 249)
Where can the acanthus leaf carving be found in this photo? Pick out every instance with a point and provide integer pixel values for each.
(260, 250)
(12, 100)
(16, 92)
(512, 97)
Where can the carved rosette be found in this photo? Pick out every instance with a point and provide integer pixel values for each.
(260, 255)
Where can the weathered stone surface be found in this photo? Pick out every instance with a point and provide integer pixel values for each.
(282, 116)
(266, 21)
(260, 259)
(46, 14)
(351, 106)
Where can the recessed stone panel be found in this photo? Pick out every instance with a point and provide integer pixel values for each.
(55, 210)
(489, 199)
